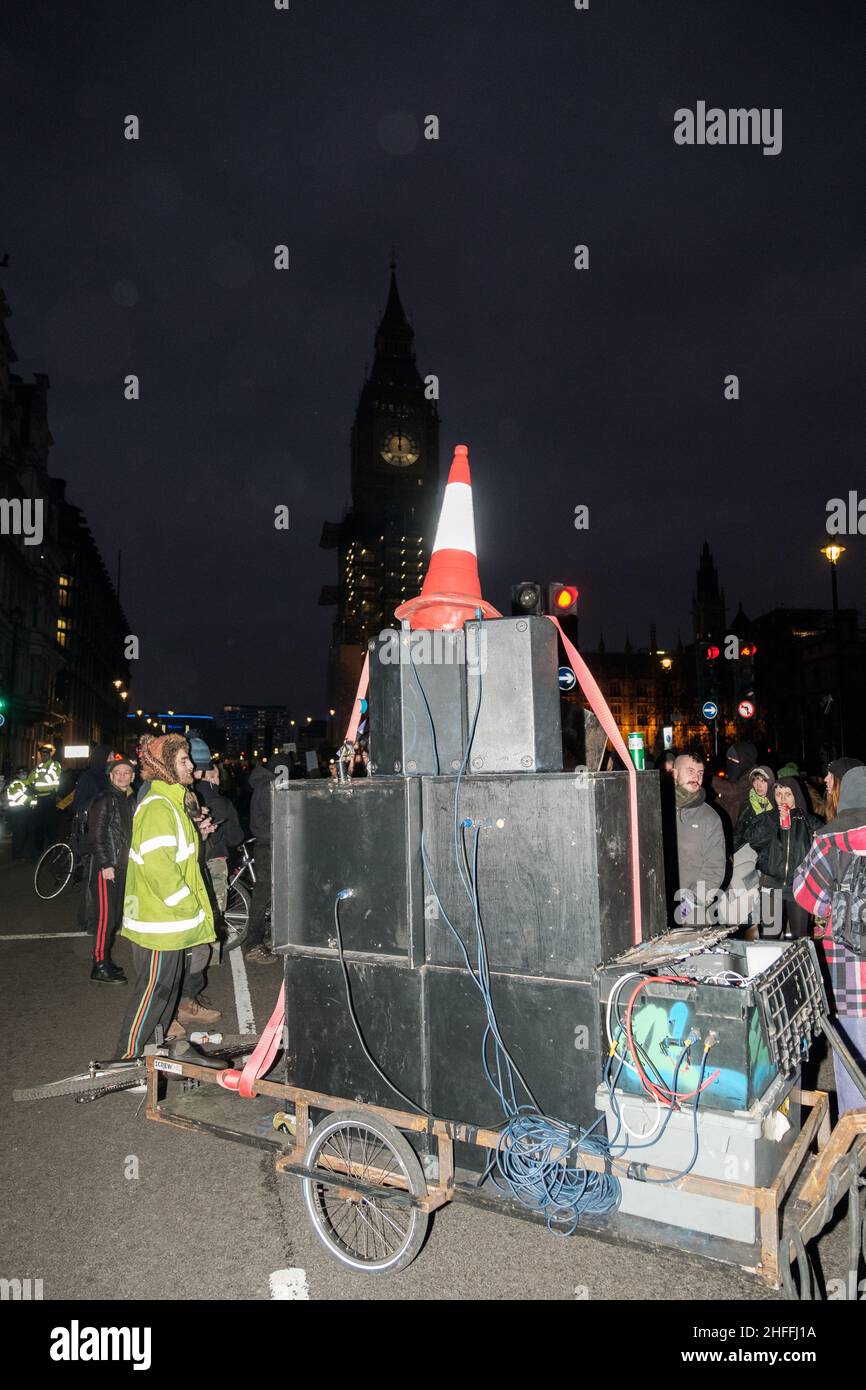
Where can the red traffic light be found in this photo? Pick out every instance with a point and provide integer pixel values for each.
(712, 654)
(563, 598)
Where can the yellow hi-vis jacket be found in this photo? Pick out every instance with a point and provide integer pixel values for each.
(166, 906)
(45, 777)
(18, 794)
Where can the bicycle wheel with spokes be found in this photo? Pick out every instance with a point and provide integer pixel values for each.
(236, 917)
(117, 1076)
(53, 871)
(369, 1234)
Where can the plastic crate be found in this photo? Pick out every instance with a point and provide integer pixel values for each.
(764, 1022)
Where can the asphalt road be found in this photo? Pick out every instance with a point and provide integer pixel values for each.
(197, 1217)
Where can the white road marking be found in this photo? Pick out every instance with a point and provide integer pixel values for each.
(44, 935)
(243, 1002)
(289, 1284)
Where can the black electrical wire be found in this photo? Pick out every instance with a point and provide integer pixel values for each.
(345, 893)
(423, 695)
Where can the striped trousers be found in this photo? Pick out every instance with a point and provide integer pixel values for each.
(108, 893)
(153, 997)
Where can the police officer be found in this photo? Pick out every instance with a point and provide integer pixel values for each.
(20, 801)
(45, 781)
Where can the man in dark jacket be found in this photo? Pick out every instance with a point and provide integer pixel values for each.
(226, 837)
(109, 838)
(700, 842)
(261, 785)
(733, 789)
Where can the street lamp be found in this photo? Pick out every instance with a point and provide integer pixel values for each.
(834, 554)
(118, 684)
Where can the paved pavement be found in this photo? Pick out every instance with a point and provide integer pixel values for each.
(99, 1203)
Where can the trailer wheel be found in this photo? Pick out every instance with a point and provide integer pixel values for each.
(369, 1235)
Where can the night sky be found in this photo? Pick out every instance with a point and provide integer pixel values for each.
(602, 387)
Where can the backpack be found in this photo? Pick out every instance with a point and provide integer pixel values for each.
(848, 910)
(79, 838)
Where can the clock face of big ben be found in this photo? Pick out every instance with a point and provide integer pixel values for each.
(399, 449)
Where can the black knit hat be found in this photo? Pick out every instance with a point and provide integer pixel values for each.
(840, 766)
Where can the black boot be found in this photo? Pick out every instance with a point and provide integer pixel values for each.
(104, 974)
(117, 972)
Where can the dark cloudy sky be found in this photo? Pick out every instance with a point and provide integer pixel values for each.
(603, 387)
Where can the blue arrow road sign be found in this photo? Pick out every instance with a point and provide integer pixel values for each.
(567, 678)
(709, 709)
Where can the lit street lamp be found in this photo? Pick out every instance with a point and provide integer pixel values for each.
(834, 553)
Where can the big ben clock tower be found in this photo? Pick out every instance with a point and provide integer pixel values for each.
(383, 543)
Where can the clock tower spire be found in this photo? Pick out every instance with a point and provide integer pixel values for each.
(384, 541)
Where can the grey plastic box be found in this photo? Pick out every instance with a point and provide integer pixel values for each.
(738, 1148)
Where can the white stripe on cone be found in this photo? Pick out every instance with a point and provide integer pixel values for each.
(456, 529)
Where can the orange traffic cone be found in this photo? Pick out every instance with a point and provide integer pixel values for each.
(451, 592)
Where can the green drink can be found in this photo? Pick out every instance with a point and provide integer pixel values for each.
(636, 750)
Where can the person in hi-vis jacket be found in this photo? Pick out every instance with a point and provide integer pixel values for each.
(166, 909)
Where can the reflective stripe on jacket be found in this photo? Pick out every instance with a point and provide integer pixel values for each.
(45, 777)
(166, 906)
(17, 793)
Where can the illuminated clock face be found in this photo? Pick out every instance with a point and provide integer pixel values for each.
(400, 449)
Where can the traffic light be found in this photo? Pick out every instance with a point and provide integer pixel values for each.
(709, 672)
(527, 597)
(562, 599)
(746, 681)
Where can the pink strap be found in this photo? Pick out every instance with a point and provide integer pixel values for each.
(261, 1059)
(600, 709)
(359, 696)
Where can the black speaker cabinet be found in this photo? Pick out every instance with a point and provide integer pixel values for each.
(552, 1029)
(412, 673)
(364, 834)
(554, 869)
(323, 1053)
(513, 664)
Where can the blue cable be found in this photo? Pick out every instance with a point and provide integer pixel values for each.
(538, 1160)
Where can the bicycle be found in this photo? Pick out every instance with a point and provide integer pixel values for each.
(105, 1078)
(237, 914)
(60, 862)
(56, 867)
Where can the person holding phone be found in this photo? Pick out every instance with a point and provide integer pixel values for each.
(782, 838)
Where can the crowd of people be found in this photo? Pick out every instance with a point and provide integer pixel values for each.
(771, 853)
(775, 854)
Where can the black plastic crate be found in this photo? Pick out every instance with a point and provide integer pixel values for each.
(764, 1025)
